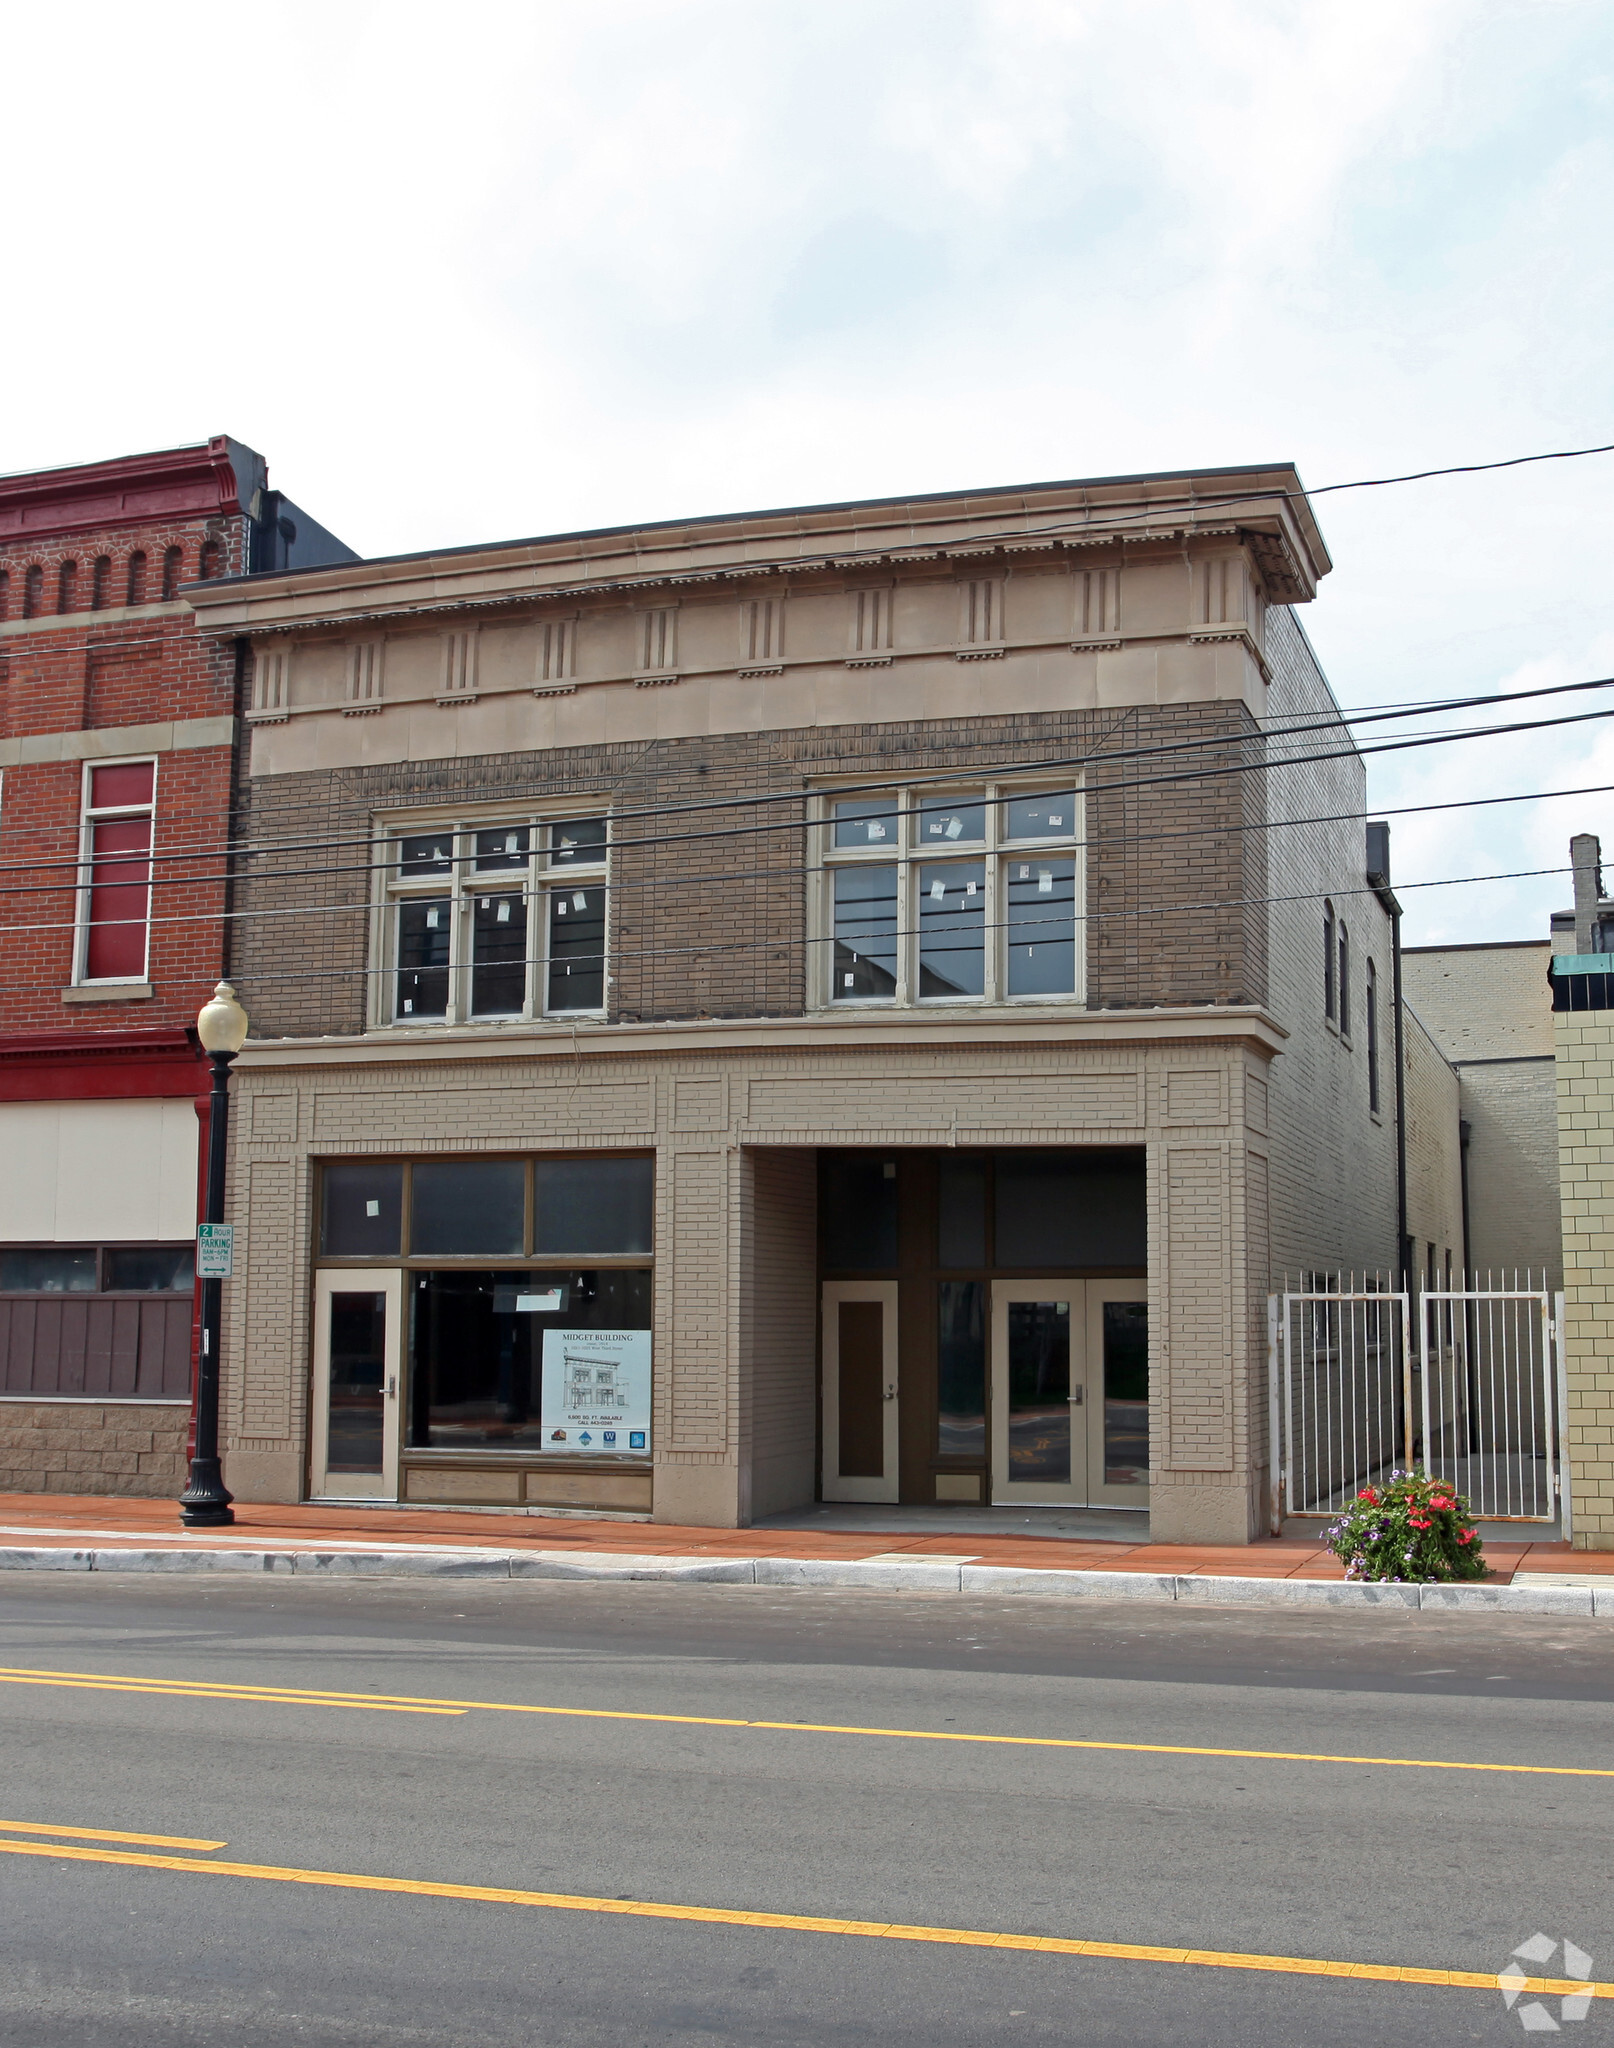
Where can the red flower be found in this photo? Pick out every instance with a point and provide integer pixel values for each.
(1367, 1493)
(1467, 1536)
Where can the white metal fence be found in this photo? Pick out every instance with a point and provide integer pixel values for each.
(1467, 1383)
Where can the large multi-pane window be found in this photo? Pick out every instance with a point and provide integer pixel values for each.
(968, 896)
(494, 920)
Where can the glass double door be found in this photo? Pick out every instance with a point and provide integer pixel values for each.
(1070, 1392)
(358, 1368)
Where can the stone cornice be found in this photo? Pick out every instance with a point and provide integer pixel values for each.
(868, 1032)
(1264, 504)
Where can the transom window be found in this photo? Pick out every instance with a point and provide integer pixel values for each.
(494, 920)
(960, 896)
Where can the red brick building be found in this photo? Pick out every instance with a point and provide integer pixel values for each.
(117, 748)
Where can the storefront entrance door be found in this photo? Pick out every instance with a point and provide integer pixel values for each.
(860, 1390)
(1070, 1400)
(357, 1369)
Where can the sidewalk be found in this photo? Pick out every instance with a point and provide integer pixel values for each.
(107, 1526)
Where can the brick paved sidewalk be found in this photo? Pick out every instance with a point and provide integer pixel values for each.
(49, 1520)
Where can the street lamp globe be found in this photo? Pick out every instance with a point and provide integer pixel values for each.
(221, 1023)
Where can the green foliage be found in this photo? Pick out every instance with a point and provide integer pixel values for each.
(1408, 1528)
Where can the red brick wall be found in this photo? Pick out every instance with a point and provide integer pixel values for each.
(90, 670)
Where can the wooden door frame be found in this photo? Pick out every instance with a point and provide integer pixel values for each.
(355, 1280)
(886, 1489)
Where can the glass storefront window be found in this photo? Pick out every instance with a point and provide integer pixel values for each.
(961, 1369)
(363, 1210)
(478, 1349)
(1126, 1393)
(857, 1211)
(65, 1269)
(1068, 1208)
(592, 1205)
(469, 1206)
(154, 1269)
(961, 1212)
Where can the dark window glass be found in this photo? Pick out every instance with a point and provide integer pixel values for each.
(952, 930)
(857, 1211)
(1041, 817)
(1328, 959)
(427, 853)
(498, 955)
(1344, 981)
(151, 1269)
(946, 821)
(961, 1369)
(1126, 1393)
(61, 1270)
(469, 1205)
(865, 964)
(356, 1415)
(577, 949)
(961, 1212)
(578, 841)
(592, 1205)
(363, 1210)
(1372, 1036)
(1042, 927)
(423, 957)
(478, 1348)
(1071, 1208)
(867, 821)
(1039, 1392)
(505, 846)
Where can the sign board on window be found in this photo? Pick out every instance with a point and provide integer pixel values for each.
(596, 1392)
(215, 1251)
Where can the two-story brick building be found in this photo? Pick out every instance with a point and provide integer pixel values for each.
(850, 1001)
(118, 728)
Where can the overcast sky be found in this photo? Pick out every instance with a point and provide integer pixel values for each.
(466, 274)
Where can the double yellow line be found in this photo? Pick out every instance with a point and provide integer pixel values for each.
(794, 1923)
(403, 1703)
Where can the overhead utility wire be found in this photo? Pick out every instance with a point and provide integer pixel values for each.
(246, 980)
(923, 779)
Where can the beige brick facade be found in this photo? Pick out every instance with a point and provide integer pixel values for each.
(709, 685)
(1585, 1077)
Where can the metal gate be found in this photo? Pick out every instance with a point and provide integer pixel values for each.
(1339, 1367)
(1477, 1401)
(1491, 1375)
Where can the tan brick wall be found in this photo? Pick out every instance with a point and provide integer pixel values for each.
(129, 1447)
(1585, 1074)
(735, 1315)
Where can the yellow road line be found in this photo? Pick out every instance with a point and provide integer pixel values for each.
(801, 1923)
(270, 1695)
(32, 1827)
(184, 1689)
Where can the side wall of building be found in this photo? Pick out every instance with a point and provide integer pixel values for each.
(1434, 1156)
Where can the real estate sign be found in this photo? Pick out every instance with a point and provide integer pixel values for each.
(596, 1392)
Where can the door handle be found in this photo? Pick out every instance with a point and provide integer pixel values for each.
(1076, 1396)
(392, 1389)
(891, 1391)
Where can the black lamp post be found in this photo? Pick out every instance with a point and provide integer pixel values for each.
(205, 1503)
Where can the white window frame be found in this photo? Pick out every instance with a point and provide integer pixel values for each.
(109, 814)
(908, 854)
(538, 882)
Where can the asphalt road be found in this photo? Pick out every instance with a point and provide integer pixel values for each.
(1346, 1862)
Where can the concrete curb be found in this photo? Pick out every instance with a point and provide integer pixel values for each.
(920, 1576)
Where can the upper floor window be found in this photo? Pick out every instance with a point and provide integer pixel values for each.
(173, 563)
(135, 592)
(67, 587)
(33, 591)
(115, 892)
(100, 583)
(494, 920)
(1328, 961)
(965, 896)
(1344, 982)
(1372, 1006)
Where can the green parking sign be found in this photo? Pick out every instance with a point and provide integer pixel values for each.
(215, 1251)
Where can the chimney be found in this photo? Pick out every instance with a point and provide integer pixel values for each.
(1586, 858)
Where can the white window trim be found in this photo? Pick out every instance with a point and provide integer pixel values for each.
(88, 820)
(536, 883)
(907, 855)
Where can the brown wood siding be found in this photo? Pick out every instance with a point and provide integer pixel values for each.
(96, 1346)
